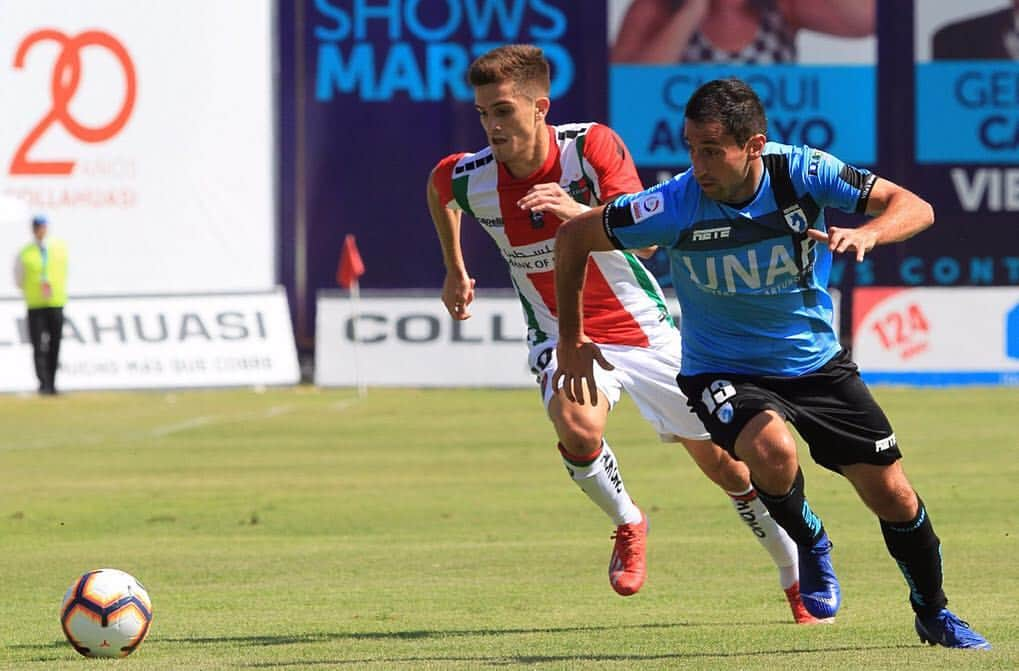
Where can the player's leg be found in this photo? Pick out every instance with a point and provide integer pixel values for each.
(910, 538)
(734, 478)
(848, 432)
(767, 446)
(748, 420)
(589, 459)
(648, 375)
(593, 466)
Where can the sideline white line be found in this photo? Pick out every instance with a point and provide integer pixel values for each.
(163, 431)
(206, 420)
(340, 406)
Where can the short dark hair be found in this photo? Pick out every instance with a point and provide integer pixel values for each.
(732, 103)
(523, 64)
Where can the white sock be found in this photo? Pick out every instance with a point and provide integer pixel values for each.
(603, 484)
(769, 534)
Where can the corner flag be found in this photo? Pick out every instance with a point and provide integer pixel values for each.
(351, 266)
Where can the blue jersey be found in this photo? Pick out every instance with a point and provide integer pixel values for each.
(752, 286)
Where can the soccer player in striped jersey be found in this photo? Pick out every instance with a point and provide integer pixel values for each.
(531, 178)
(750, 255)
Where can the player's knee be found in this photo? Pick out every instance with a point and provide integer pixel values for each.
(772, 451)
(579, 437)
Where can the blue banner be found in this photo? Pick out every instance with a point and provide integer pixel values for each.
(827, 107)
(374, 94)
(967, 112)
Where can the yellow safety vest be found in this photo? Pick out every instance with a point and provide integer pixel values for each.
(37, 268)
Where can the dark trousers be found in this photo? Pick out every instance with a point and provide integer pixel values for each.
(45, 326)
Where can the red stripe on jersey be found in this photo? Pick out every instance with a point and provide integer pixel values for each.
(520, 226)
(605, 318)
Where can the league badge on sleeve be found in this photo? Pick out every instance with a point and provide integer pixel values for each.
(647, 206)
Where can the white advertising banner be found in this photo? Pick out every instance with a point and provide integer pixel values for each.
(411, 341)
(937, 336)
(158, 342)
(401, 340)
(144, 131)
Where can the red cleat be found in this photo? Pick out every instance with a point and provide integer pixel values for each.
(628, 567)
(800, 613)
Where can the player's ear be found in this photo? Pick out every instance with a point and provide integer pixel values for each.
(755, 145)
(541, 106)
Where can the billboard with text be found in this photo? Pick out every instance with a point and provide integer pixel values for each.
(145, 132)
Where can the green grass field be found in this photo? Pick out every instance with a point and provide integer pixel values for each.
(309, 529)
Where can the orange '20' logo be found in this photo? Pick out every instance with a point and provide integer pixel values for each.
(63, 85)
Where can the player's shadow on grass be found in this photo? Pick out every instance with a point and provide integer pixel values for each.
(510, 660)
(500, 660)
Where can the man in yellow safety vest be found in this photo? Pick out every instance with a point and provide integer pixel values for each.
(40, 271)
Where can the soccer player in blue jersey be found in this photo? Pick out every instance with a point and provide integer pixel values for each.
(750, 255)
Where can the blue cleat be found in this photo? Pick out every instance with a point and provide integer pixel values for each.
(819, 588)
(946, 629)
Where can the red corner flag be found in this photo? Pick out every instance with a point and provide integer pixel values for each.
(351, 266)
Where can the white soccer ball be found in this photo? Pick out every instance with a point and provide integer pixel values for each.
(106, 613)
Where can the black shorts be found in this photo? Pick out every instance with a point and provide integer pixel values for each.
(831, 408)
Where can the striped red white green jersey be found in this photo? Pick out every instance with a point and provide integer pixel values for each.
(623, 303)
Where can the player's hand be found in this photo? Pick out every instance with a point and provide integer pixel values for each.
(576, 369)
(457, 294)
(552, 198)
(840, 240)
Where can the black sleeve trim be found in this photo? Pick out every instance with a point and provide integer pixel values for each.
(865, 189)
(613, 217)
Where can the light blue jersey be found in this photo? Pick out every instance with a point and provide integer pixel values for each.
(751, 285)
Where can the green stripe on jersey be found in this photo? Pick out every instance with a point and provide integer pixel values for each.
(532, 321)
(460, 194)
(644, 280)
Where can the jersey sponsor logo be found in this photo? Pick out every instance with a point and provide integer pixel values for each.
(885, 443)
(490, 222)
(795, 218)
(647, 206)
(720, 233)
(538, 257)
(738, 273)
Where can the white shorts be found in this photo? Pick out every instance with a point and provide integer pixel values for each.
(647, 374)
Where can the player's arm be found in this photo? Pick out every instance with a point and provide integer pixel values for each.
(898, 214)
(575, 240)
(458, 287)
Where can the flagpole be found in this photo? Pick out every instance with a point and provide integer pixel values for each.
(350, 268)
(355, 309)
